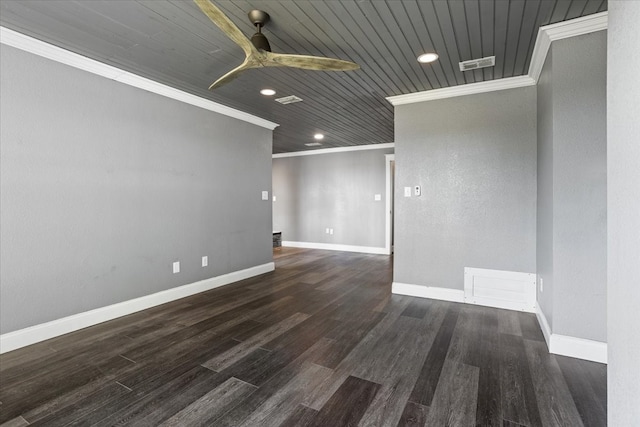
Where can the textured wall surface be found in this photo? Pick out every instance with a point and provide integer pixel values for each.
(544, 218)
(623, 179)
(580, 186)
(475, 158)
(332, 190)
(572, 193)
(103, 186)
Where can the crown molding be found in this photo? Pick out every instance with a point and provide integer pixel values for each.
(461, 90)
(335, 150)
(563, 30)
(37, 47)
(547, 34)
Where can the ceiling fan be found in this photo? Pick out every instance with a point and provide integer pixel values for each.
(257, 50)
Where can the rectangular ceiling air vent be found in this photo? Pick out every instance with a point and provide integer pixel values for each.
(312, 144)
(474, 64)
(288, 99)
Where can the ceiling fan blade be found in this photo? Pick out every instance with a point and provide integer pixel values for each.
(307, 62)
(226, 25)
(233, 74)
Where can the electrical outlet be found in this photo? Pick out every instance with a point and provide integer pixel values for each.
(265, 195)
(541, 285)
(205, 261)
(326, 230)
(176, 267)
(417, 190)
(331, 231)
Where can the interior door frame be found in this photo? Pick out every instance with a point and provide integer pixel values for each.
(388, 229)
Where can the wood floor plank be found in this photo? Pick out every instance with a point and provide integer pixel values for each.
(301, 417)
(484, 354)
(212, 405)
(349, 403)
(81, 407)
(417, 308)
(319, 341)
(530, 327)
(426, 384)
(353, 360)
(281, 404)
(509, 322)
(519, 404)
(226, 359)
(63, 400)
(455, 399)
(590, 401)
(16, 422)
(280, 379)
(556, 405)
(413, 415)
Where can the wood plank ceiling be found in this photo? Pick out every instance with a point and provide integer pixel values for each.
(172, 42)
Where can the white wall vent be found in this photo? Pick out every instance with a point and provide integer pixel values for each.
(474, 64)
(501, 289)
(288, 99)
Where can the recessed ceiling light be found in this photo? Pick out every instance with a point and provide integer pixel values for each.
(427, 57)
(318, 136)
(268, 92)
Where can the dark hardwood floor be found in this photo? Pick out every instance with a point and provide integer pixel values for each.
(319, 342)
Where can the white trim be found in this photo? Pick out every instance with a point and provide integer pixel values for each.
(24, 337)
(333, 247)
(562, 30)
(336, 150)
(510, 290)
(444, 294)
(563, 345)
(388, 226)
(547, 34)
(461, 90)
(579, 348)
(544, 325)
(29, 44)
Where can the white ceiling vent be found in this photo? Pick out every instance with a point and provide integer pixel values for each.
(474, 64)
(312, 144)
(288, 99)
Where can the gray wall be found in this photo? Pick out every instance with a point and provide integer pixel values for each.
(572, 211)
(623, 158)
(103, 186)
(544, 217)
(332, 190)
(475, 158)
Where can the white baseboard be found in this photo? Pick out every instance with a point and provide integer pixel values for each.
(31, 335)
(444, 294)
(563, 345)
(544, 325)
(332, 247)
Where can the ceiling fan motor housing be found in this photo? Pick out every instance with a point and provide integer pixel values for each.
(260, 41)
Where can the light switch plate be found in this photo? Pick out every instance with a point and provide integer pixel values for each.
(407, 191)
(176, 267)
(274, 198)
(205, 261)
(265, 195)
(377, 197)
